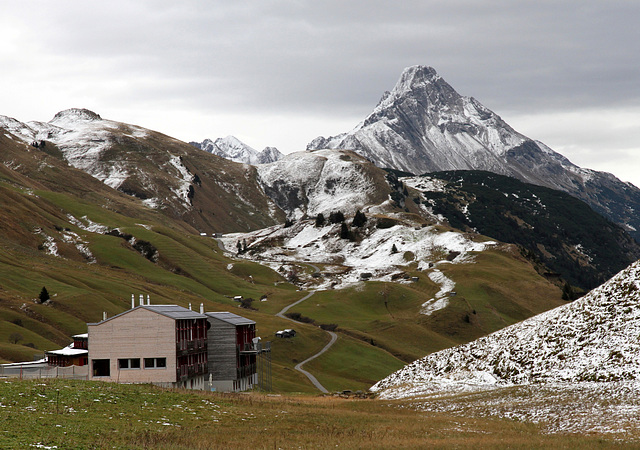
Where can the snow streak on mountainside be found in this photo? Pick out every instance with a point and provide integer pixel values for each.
(424, 125)
(233, 149)
(594, 339)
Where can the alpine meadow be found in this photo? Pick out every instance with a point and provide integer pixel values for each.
(431, 278)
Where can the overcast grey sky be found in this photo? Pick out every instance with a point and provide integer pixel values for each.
(280, 73)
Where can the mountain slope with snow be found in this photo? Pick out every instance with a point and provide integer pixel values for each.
(308, 183)
(373, 251)
(586, 252)
(208, 192)
(424, 125)
(593, 339)
(234, 149)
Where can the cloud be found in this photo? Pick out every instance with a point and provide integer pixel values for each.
(326, 55)
(604, 139)
(305, 62)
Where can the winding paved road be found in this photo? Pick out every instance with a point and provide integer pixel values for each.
(281, 314)
(298, 366)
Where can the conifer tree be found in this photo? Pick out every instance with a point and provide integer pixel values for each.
(44, 295)
(344, 231)
(359, 219)
(336, 217)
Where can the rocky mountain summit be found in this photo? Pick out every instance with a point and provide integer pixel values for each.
(594, 339)
(234, 149)
(424, 125)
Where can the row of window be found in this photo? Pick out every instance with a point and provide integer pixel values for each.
(190, 330)
(149, 363)
(191, 364)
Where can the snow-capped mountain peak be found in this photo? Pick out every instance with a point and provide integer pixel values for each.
(74, 115)
(423, 125)
(419, 81)
(234, 149)
(269, 155)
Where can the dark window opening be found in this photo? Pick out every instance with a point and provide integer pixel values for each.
(129, 363)
(155, 363)
(101, 367)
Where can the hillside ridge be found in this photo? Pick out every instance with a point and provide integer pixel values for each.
(592, 339)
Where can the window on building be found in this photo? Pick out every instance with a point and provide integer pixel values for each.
(129, 363)
(101, 367)
(155, 363)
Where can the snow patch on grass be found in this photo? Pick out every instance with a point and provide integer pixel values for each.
(440, 301)
(375, 253)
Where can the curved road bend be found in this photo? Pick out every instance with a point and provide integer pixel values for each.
(298, 366)
(281, 314)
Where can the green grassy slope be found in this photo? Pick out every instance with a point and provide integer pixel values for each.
(42, 200)
(499, 289)
(76, 414)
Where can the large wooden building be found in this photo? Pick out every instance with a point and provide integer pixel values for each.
(232, 352)
(160, 344)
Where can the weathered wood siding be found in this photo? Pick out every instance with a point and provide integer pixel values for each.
(222, 355)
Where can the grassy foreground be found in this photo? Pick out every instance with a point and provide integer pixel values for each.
(80, 414)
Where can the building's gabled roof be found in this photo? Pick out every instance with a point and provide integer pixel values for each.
(174, 312)
(80, 336)
(230, 318)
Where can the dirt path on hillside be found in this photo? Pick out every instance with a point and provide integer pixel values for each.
(298, 366)
(220, 245)
(281, 314)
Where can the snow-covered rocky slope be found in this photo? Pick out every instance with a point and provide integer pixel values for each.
(208, 192)
(308, 183)
(234, 149)
(375, 252)
(424, 125)
(83, 137)
(594, 339)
